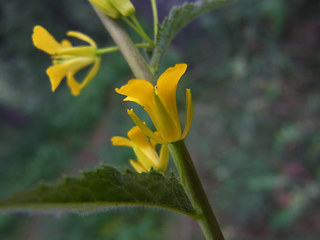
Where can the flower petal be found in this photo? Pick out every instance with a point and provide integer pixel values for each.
(155, 136)
(82, 37)
(164, 158)
(139, 91)
(141, 142)
(137, 166)
(189, 114)
(44, 41)
(121, 141)
(93, 71)
(142, 92)
(145, 161)
(167, 87)
(168, 127)
(66, 43)
(73, 84)
(57, 72)
(152, 141)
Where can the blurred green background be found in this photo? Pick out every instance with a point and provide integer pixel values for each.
(254, 73)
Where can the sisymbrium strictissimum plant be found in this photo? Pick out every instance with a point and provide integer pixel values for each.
(148, 185)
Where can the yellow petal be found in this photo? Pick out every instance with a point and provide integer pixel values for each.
(144, 127)
(189, 113)
(121, 141)
(66, 43)
(142, 92)
(164, 158)
(43, 40)
(139, 91)
(73, 84)
(57, 72)
(137, 136)
(137, 166)
(167, 87)
(168, 127)
(153, 142)
(145, 161)
(142, 144)
(93, 71)
(82, 37)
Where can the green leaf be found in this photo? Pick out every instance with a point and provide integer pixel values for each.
(100, 189)
(178, 18)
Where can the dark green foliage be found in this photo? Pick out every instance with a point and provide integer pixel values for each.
(102, 188)
(178, 18)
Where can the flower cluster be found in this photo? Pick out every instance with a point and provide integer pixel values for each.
(67, 60)
(160, 103)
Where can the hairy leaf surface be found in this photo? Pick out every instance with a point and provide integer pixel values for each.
(178, 18)
(100, 189)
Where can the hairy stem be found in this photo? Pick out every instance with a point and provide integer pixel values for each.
(195, 191)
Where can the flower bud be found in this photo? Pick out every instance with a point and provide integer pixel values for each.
(106, 7)
(125, 7)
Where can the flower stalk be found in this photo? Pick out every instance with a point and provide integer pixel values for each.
(155, 19)
(192, 184)
(106, 50)
(135, 25)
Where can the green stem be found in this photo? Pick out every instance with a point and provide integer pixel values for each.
(155, 19)
(102, 51)
(132, 25)
(141, 31)
(195, 191)
(136, 62)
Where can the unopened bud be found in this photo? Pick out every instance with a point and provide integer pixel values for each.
(106, 7)
(125, 7)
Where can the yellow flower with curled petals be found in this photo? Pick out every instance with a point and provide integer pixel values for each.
(160, 103)
(67, 60)
(147, 156)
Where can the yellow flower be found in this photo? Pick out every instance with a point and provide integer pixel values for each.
(160, 103)
(67, 60)
(114, 8)
(147, 156)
